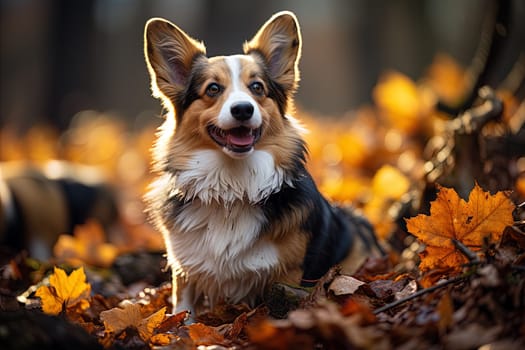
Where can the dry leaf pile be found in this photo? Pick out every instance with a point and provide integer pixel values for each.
(464, 295)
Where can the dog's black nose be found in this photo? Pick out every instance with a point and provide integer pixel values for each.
(242, 110)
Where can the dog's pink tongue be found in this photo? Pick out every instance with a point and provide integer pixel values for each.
(240, 138)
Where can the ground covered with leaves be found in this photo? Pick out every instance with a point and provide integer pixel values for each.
(442, 194)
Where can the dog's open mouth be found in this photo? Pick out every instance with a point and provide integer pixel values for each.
(240, 139)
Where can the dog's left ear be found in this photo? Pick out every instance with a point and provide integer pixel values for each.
(279, 43)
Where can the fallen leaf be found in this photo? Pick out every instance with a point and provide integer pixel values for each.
(484, 216)
(131, 315)
(87, 245)
(322, 326)
(384, 290)
(119, 318)
(162, 339)
(267, 335)
(402, 102)
(204, 335)
(353, 306)
(64, 291)
(173, 321)
(342, 285)
(433, 276)
(407, 290)
(223, 313)
(389, 182)
(388, 186)
(147, 326)
(237, 326)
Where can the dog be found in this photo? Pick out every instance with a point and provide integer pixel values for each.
(38, 203)
(233, 199)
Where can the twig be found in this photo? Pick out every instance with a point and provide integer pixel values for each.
(417, 294)
(471, 256)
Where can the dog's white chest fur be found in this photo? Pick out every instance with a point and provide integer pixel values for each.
(214, 177)
(217, 235)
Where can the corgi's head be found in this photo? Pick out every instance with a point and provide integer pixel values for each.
(235, 103)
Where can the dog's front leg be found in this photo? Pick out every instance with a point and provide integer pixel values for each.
(182, 296)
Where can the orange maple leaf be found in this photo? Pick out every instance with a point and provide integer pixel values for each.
(64, 291)
(484, 216)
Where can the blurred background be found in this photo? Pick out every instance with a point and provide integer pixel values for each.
(59, 57)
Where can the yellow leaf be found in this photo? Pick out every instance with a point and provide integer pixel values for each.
(51, 304)
(148, 325)
(389, 182)
(64, 290)
(402, 102)
(163, 339)
(483, 217)
(87, 245)
(388, 185)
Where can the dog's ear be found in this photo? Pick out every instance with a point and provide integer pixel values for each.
(170, 53)
(279, 43)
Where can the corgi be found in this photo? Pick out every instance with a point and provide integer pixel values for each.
(38, 203)
(233, 199)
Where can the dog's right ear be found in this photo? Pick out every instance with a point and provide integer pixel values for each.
(170, 54)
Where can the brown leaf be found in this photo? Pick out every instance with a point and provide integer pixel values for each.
(237, 327)
(130, 315)
(172, 322)
(511, 247)
(119, 318)
(343, 285)
(352, 307)
(408, 289)
(384, 290)
(223, 313)
(205, 335)
(322, 326)
(266, 335)
(431, 277)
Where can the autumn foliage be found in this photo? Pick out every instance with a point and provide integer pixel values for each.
(65, 293)
(474, 224)
(453, 277)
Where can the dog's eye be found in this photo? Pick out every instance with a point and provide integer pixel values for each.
(257, 88)
(213, 89)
